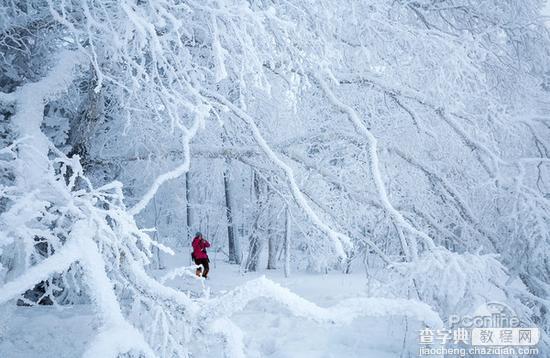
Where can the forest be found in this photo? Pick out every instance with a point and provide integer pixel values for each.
(359, 170)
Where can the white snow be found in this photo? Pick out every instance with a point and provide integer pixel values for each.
(46, 332)
(407, 138)
(348, 324)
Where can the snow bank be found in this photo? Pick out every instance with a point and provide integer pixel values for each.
(343, 313)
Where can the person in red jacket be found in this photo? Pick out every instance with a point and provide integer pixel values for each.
(199, 254)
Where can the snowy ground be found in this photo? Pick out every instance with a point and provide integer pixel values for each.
(269, 330)
(45, 332)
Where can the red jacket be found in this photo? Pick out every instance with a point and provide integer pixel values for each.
(199, 248)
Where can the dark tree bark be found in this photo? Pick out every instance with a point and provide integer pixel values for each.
(272, 246)
(255, 242)
(287, 242)
(83, 128)
(234, 258)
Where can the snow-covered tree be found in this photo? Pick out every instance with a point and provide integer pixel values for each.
(404, 132)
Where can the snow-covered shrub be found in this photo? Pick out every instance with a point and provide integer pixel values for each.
(453, 283)
(459, 283)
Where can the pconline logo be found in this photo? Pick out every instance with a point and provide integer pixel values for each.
(489, 315)
(493, 329)
(496, 324)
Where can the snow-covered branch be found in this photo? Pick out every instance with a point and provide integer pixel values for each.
(343, 313)
(375, 165)
(338, 239)
(57, 263)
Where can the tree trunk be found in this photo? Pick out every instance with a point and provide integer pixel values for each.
(234, 258)
(157, 261)
(82, 129)
(348, 261)
(273, 242)
(287, 243)
(271, 251)
(255, 244)
(254, 253)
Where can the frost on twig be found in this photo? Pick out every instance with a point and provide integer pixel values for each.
(339, 240)
(166, 64)
(92, 219)
(375, 167)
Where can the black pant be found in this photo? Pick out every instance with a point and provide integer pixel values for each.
(204, 263)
